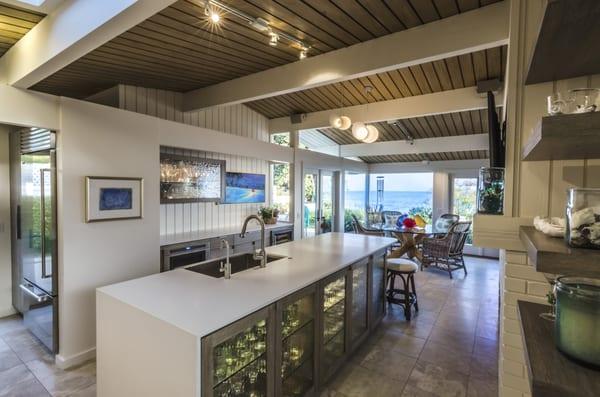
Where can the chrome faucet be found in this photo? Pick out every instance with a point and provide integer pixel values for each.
(262, 256)
(225, 267)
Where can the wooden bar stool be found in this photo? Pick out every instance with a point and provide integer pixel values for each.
(406, 296)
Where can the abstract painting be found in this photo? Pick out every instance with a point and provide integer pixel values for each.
(113, 198)
(244, 188)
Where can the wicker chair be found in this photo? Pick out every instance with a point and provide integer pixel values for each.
(360, 229)
(445, 222)
(447, 252)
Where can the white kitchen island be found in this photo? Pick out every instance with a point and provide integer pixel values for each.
(151, 331)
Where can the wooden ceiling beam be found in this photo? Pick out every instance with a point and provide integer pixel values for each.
(441, 165)
(437, 40)
(459, 100)
(73, 29)
(459, 143)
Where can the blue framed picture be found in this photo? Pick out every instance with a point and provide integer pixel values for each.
(113, 198)
(242, 188)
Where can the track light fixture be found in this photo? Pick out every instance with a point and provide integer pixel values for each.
(275, 36)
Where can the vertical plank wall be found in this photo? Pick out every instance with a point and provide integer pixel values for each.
(235, 119)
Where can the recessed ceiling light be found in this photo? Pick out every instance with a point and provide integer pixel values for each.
(274, 38)
(214, 17)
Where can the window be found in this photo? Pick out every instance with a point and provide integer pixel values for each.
(280, 189)
(409, 193)
(355, 187)
(464, 200)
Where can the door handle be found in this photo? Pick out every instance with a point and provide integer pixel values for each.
(43, 221)
(39, 298)
(18, 222)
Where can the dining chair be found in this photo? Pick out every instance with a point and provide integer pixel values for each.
(445, 222)
(360, 229)
(446, 253)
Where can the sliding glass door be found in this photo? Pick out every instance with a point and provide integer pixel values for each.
(318, 202)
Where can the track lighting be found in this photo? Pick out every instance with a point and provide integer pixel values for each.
(303, 52)
(274, 38)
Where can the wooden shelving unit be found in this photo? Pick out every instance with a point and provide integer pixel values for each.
(551, 373)
(553, 255)
(564, 47)
(564, 137)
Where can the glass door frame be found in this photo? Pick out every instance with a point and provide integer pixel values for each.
(319, 185)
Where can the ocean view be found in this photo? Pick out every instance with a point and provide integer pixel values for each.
(392, 200)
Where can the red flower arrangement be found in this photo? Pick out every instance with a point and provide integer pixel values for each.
(409, 223)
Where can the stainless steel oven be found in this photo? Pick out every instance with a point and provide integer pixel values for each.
(177, 255)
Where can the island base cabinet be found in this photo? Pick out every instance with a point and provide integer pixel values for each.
(334, 325)
(296, 352)
(238, 360)
(359, 296)
(377, 287)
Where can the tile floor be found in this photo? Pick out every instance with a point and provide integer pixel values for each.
(449, 349)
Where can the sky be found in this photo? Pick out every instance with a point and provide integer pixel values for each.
(407, 182)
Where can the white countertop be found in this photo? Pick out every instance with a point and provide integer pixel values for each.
(201, 304)
(176, 238)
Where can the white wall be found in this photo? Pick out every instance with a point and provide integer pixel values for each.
(6, 307)
(237, 120)
(98, 140)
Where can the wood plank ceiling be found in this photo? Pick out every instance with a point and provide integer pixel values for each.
(15, 23)
(446, 74)
(439, 125)
(178, 50)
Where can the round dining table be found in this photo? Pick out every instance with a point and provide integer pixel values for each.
(410, 238)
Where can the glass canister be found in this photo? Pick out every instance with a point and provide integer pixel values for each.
(577, 326)
(490, 191)
(583, 218)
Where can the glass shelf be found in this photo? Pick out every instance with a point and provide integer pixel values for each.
(298, 346)
(359, 301)
(235, 355)
(251, 380)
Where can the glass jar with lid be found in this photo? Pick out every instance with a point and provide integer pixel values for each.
(583, 218)
(577, 326)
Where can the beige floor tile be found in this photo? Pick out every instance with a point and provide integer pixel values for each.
(89, 391)
(389, 363)
(26, 346)
(8, 358)
(356, 381)
(63, 382)
(11, 323)
(429, 380)
(450, 357)
(482, 387)
(18, 381)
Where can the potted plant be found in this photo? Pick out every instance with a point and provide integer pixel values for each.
(269, 215)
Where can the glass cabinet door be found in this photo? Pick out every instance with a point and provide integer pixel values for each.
(377, 288)
(236, 359)
(360, 298)
(333, 341)
(296, 359)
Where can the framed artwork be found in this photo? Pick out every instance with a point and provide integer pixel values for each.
(113, 198)
(186, 179)
(244, 188)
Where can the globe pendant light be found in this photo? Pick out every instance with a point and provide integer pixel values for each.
(339, 122)
(359, 131)
(372, 135)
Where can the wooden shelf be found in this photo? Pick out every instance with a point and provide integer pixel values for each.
(564, 137)
(551, 373)
(565, 47)
(553, 255)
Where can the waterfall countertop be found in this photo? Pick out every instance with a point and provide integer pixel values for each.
(200, 304)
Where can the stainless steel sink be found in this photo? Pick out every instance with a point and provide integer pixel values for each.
(239, 263)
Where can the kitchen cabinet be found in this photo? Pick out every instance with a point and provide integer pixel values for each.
(295, 357)
(238, 359)
(333, 332)
(359, 296)
(377, 287)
